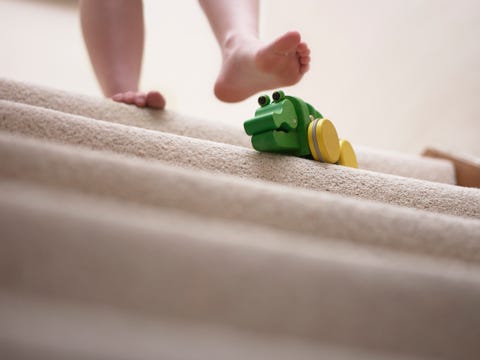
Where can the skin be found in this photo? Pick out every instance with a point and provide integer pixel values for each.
(114, 35)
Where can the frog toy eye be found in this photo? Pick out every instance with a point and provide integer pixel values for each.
(278, 96)
(263, 100)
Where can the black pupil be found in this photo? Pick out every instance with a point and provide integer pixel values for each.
(262, 100)
(276, 96)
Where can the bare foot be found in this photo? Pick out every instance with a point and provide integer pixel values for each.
(152, 99)
(249, 66)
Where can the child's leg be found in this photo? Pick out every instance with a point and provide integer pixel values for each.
(113, 33)
(249, 65)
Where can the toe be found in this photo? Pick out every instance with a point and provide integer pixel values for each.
(155, 100)
(304, 68)
(140, 99)
(293, 36)
(118, 97)
(304, 60)
(129, 97)
(303, 49)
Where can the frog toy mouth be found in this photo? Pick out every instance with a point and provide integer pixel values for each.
(274, 127)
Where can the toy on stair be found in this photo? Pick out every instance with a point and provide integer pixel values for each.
(289, 125)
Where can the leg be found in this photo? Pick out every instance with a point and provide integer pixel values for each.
(114, 36)
(249, 65)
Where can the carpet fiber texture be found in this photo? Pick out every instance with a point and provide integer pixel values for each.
(132, 233)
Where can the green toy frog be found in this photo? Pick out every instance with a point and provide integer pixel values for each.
(292, 126)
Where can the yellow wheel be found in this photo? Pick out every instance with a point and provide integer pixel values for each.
(323, 141)
(347, 155)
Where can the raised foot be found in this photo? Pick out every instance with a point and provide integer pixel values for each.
(250, 66)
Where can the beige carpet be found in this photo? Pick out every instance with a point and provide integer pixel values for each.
(129, 233)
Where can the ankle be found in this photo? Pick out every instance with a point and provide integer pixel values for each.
(234, 40)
